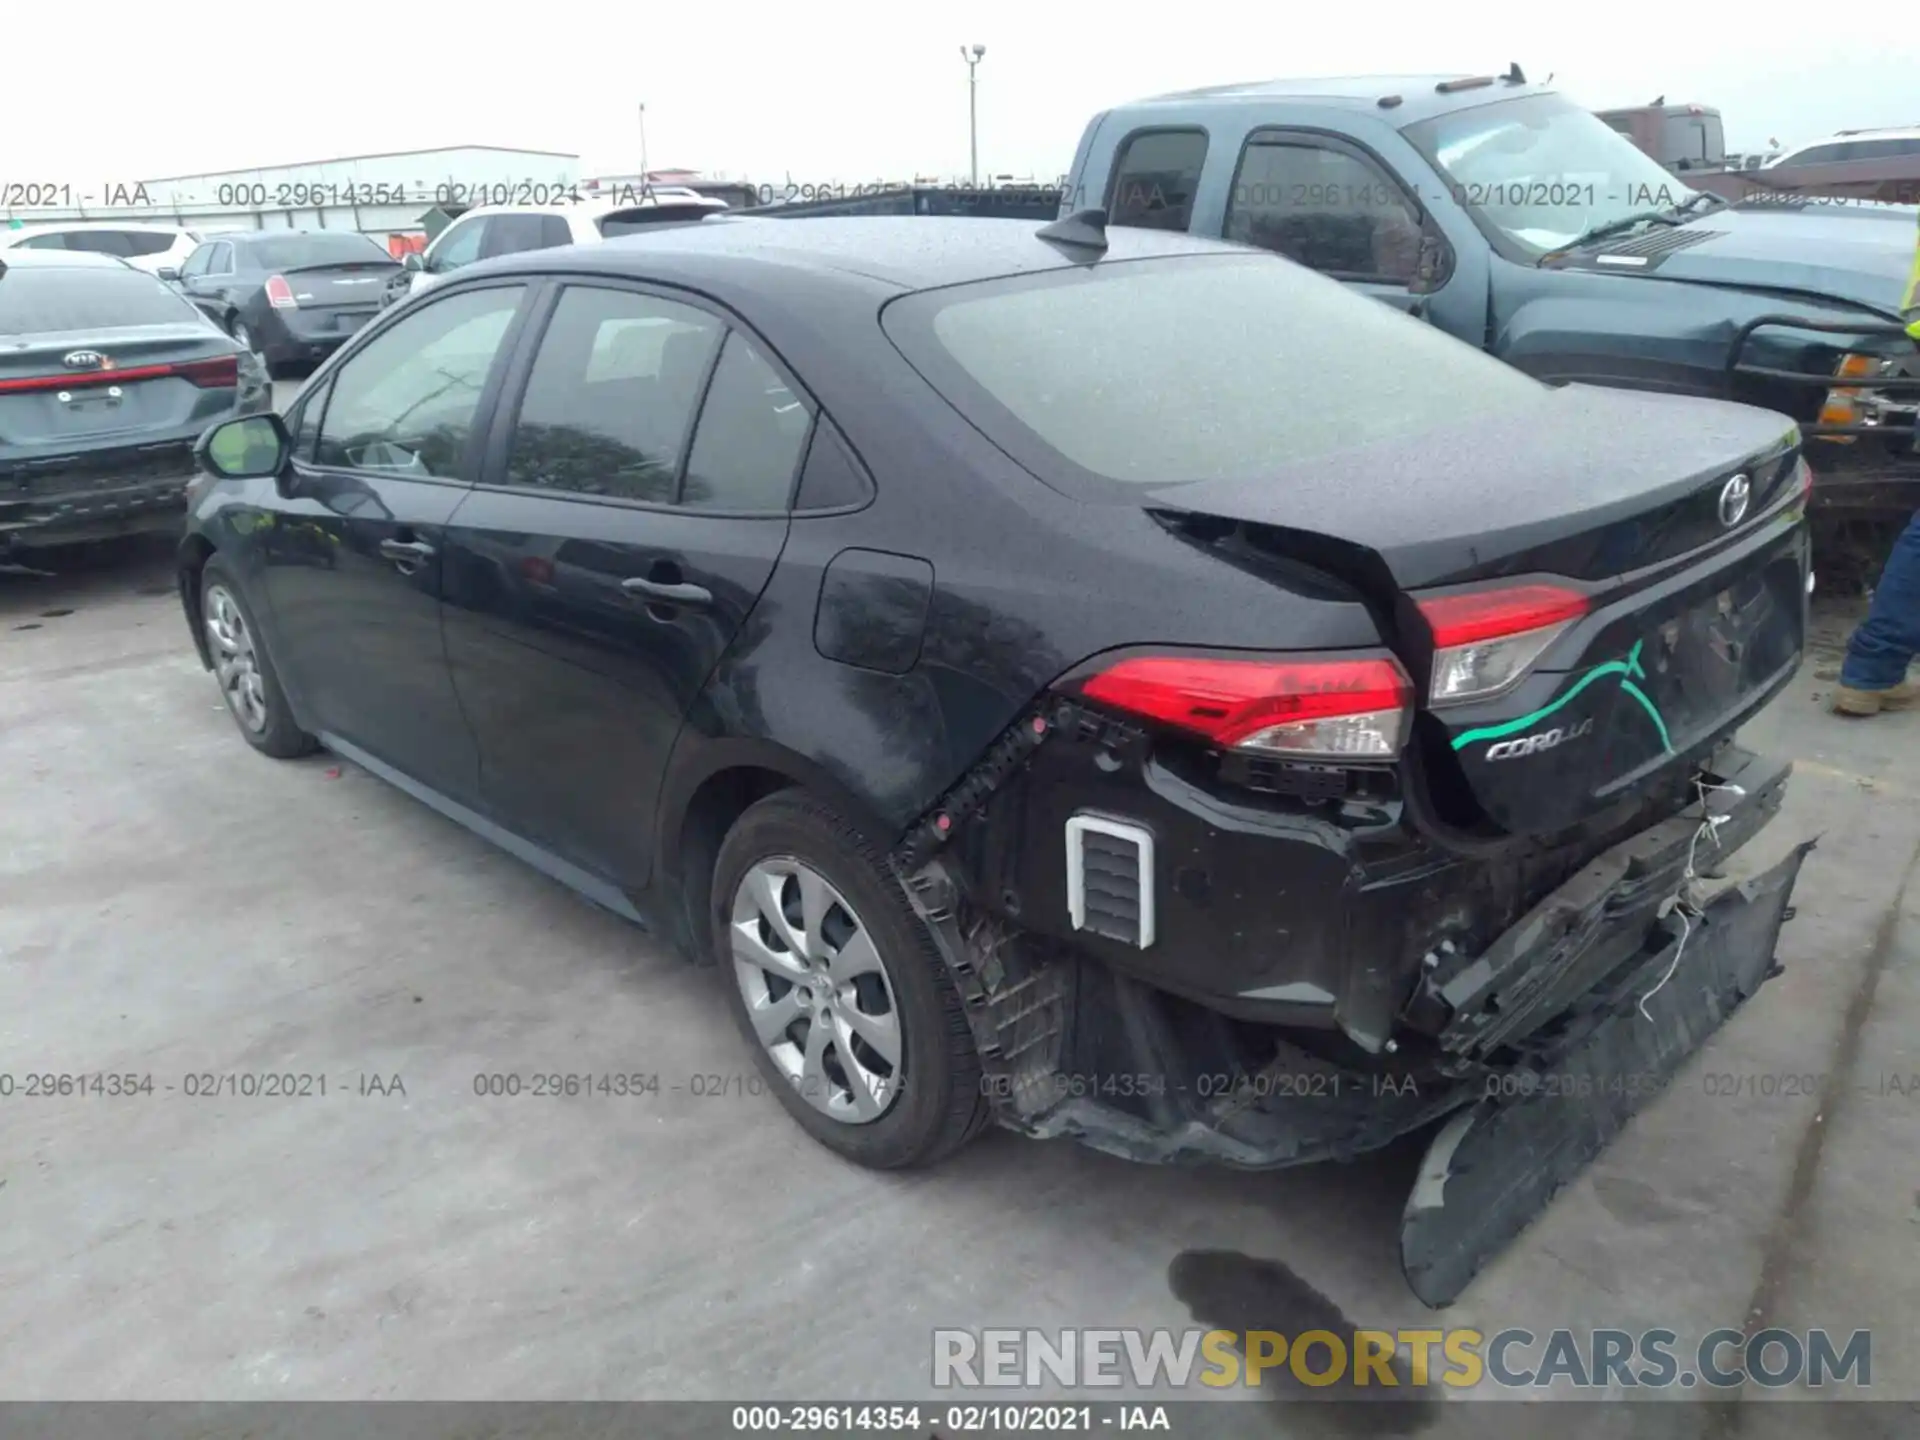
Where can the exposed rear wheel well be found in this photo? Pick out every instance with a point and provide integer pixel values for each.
(721, 799)
(195, 551)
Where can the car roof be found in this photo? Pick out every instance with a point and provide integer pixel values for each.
(598, 206)
(1419, 98)
(65, 260)
(877, 253)
(1845, 137)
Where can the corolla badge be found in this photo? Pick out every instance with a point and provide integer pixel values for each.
(1733, 500)
(85, 360)
(1545, 740)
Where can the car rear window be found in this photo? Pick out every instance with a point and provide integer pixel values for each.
(36, 301)
(294, 252)
(1189, 368)
(630, 222)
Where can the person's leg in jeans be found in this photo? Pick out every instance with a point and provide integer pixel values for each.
(1874, 677)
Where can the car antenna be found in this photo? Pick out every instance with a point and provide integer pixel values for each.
(1515, 75)
(1084, 230)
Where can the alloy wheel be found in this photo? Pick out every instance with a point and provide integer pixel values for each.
(817, 990)
(235, 662)
(243, 335)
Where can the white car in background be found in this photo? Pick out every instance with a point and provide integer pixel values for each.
(148, 247)
(489, 230)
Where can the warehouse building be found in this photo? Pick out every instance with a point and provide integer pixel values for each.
(400, 197)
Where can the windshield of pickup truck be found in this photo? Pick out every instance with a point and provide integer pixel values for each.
(1543, 172)
(1159, 371)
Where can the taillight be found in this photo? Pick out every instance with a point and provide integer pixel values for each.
(1486, 640)
(1353, 708)
(222, 372)
(280, 294)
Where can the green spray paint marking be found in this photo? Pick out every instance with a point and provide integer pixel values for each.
(1627, 669)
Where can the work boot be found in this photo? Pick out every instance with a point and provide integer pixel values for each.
(1849, 701)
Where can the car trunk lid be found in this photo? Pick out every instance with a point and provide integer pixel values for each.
(1637, 564)
(354, 287)
(94, 387)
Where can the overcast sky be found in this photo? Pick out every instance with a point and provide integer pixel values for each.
(842, 89)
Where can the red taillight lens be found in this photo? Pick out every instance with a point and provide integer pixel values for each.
(208, 374)
(1352, 708)
(1486, 640)
(222, 372)
(280, 294)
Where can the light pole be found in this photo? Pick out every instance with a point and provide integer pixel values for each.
(972, 54)
(643, 142)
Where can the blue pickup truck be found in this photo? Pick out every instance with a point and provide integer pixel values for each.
(1509, 216)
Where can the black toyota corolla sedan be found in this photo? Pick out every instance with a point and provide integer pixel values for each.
(107, 378)
(1113, 683)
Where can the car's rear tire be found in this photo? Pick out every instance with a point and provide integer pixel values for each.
(824, 963)
(248, 682)
(237, 328)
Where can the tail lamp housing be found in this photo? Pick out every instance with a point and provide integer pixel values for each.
(1353, 707)
(1486, 640)
(280, 293)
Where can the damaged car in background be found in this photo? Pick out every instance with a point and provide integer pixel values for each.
(1048, 700)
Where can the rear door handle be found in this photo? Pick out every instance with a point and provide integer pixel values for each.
(661, 592)
(407, 552)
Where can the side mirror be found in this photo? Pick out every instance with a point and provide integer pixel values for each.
(170, 273)
(413, 261)
(252, 447)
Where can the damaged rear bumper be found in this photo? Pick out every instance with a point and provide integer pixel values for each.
(1073, 1047)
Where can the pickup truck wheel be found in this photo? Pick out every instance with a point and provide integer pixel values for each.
(852, 1018)
(248, 681)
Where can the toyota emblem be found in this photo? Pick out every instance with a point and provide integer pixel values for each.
(1733, 500)
(85, 360)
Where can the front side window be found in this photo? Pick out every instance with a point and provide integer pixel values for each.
(753, 428)
(1154, 179)
(458, 246)
(54, 240)
(612, 395)
(1159, 372)
(1324, 208)
(196, 262)
(1542, 172)
(405, 404)
(220, 262)
(100, 242)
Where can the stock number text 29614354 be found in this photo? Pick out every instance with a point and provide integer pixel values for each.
(306, 194)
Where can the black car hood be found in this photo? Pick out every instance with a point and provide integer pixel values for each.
(1474, 499)
(1851, 252)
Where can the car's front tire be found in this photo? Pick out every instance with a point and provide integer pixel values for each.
(852, 1018)
(248, 682)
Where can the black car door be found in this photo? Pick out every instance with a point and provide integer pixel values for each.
(610, 553)
(353, 563)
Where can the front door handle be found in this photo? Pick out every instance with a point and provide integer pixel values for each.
(661, 592)
(407, 553)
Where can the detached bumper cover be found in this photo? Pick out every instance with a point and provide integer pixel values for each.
(153, 504)
(1496, 1166)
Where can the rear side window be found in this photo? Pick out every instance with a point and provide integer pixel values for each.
(612, 395)
(101, 242)
(1883, 149)
(1154, 178)
(37, 301)
(512, 234)
(1163, 371)
(753, 428)
(145, 242)
(1325, 208)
